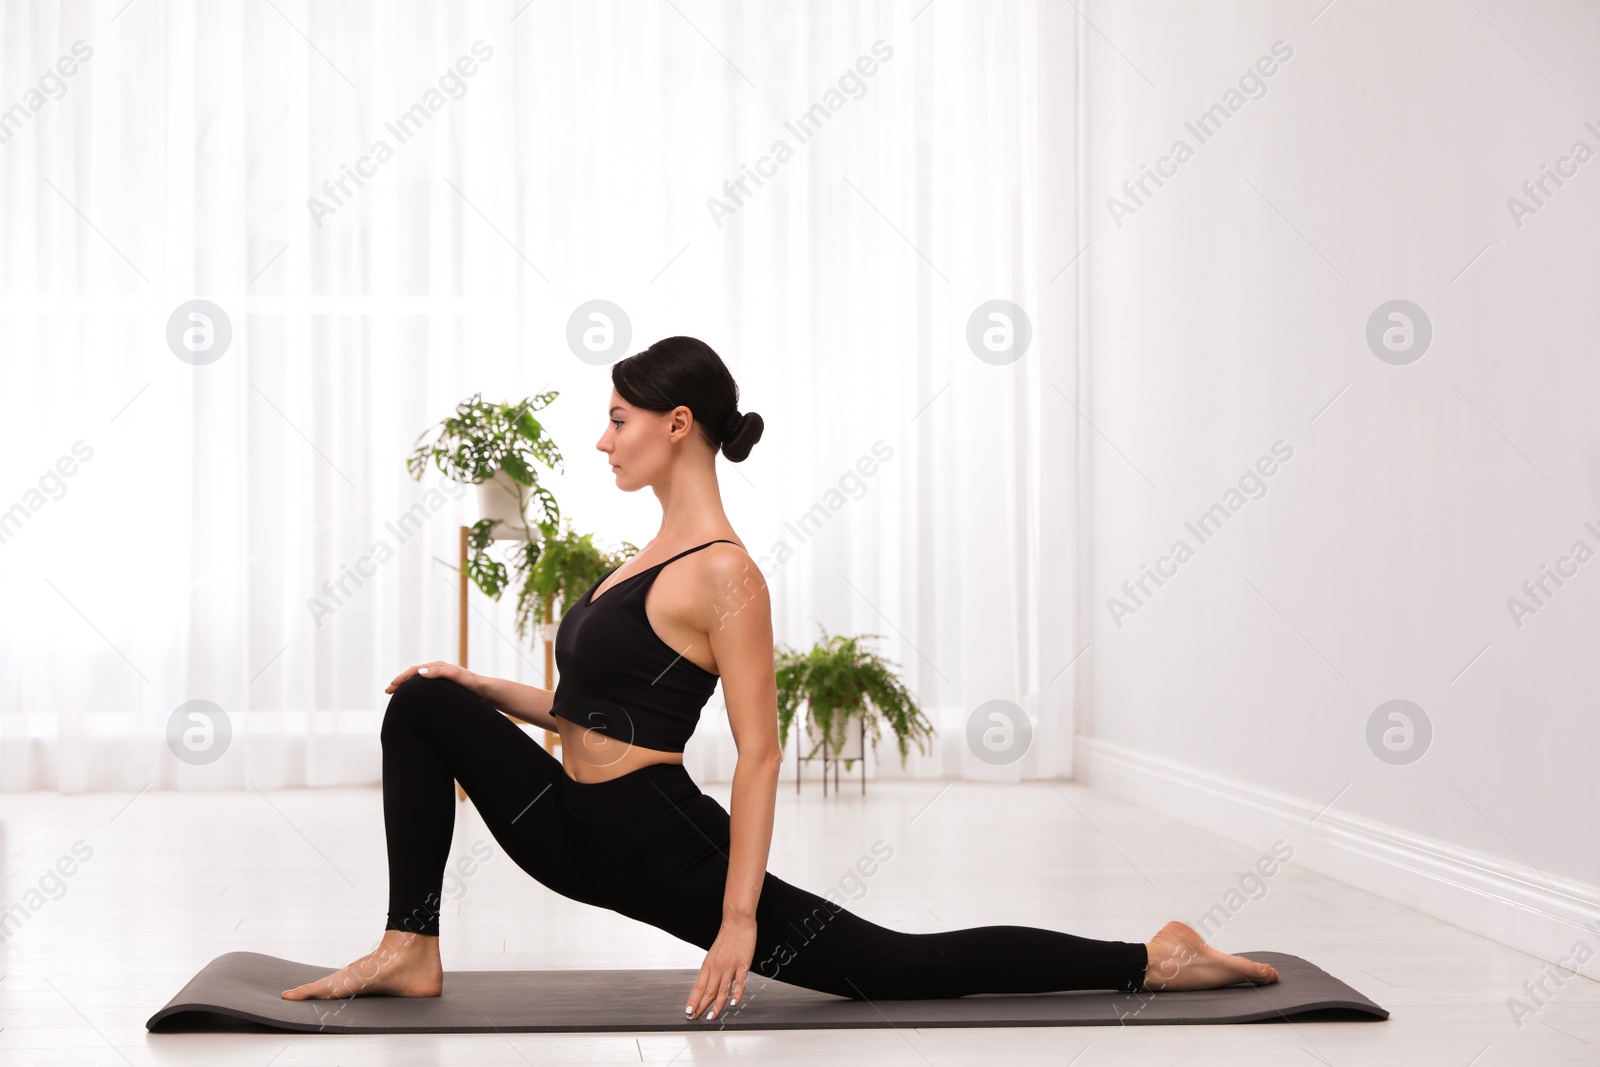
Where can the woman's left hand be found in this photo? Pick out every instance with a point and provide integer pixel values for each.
(727, 964)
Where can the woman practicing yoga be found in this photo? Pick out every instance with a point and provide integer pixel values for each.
(618, 822)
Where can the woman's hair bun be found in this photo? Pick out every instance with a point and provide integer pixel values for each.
(686, 371)
(740, 432)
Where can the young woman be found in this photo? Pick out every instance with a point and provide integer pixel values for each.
(618, 822)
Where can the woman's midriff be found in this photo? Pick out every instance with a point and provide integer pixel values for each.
(589, 756)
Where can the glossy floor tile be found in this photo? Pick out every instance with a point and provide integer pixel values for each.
(113, 901)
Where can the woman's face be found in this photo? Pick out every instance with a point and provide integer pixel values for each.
(637, 442)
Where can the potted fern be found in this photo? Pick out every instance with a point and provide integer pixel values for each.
(842, 683)
(496, 447)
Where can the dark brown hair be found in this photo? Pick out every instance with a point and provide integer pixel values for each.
(685, 370)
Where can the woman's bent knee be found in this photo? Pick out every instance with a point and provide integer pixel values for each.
(417, 697)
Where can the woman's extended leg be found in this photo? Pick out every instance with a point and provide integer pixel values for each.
(435, 732)
(813, 942)
(809, 941)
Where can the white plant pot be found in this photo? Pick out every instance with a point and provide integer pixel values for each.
(852, 736)
(504, 499)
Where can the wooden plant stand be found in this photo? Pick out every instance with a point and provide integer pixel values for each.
(552, 741)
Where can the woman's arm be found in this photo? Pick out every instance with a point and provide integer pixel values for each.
(754, 799)
(525, 702)
(519, 701)
(740, 628)
(741, 642)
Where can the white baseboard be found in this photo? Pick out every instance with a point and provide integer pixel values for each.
(1506, 902)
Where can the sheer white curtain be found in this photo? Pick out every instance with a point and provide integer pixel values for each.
(170, 528)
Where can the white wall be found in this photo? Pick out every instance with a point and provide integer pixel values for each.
(1222, 316)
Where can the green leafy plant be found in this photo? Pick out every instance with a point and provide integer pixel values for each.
(479, 441)
(565, 570)
(837, 678)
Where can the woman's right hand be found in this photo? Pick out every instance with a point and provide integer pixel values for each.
(437, 669)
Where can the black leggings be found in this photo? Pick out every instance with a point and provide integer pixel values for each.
(650, 845)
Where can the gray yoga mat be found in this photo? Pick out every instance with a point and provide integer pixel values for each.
(245, 986)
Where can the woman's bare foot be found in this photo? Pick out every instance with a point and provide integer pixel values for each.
(1181, 959)
(403, 965)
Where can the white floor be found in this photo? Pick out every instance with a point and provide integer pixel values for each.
(175, 879)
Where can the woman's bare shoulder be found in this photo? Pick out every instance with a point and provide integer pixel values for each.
(730, 576)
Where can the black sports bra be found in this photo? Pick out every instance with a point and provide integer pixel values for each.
(617, 675)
